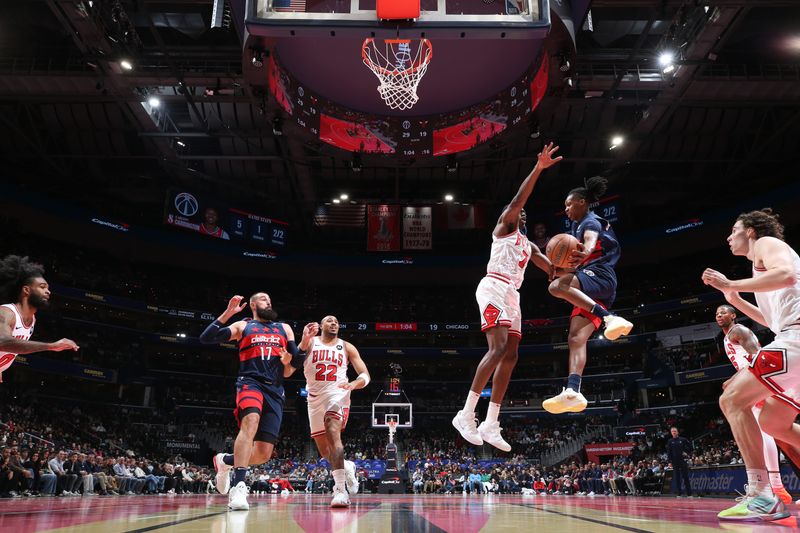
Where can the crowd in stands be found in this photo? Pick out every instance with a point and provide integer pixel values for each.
(94, 450)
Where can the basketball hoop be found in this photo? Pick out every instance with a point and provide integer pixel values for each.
(392, 430)
(398, 70)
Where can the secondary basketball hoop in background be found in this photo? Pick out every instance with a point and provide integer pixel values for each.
(392, 429)
(398, 67)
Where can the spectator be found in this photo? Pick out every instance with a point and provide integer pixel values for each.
(678, 450)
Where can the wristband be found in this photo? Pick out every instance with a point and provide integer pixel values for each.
(365, 377)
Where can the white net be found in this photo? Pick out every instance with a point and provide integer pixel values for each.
(398, 69)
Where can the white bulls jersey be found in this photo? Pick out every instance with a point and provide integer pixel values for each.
(325, 366)
(781, 308)
(19, 331)
(737, 354)
(509, 258)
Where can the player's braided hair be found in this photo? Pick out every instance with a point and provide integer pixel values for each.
(594, 188)
(764, 222)
(15, 273)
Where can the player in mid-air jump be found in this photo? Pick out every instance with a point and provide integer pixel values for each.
(591, 288)
(501, 317)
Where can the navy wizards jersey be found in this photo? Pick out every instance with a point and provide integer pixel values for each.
(260, 351)
(607, 250)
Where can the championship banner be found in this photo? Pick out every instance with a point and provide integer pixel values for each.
(383, 228)
(417, 228)
(595, 451)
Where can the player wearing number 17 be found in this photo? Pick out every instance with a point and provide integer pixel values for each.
(267, 353)
(498, 302)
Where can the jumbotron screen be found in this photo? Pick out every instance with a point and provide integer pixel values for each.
(450, 133)
(193, 212)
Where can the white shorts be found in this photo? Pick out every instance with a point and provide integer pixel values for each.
(777, 365)
(498, 302)
(334, 404)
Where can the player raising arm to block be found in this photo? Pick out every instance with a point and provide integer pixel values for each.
(498, 302)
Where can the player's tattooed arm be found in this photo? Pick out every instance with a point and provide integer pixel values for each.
(19, 346)
(745, 338)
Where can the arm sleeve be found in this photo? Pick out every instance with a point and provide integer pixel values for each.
(298, 356)
(215, 333)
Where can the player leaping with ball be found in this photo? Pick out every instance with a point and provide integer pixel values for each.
(591, 288)
(501, 318)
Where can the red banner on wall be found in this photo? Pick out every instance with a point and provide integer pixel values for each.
(595, 451)
(383, 228)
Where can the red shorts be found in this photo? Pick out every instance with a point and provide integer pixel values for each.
(596, 320)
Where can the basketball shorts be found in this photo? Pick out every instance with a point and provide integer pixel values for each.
(598, 282)
(333, 404)
(252, 396)
(777, 366)
(498, 302)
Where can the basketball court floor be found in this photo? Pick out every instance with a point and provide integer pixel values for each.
(372, 513)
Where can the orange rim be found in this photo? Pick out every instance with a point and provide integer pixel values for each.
(426, 56)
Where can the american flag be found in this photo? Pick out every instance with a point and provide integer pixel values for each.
(288, 6)
(347, 215)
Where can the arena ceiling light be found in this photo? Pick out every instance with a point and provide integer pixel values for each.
(448, 197)
(126, 65)
(666, 60)
(337, 201)
(153, 102)
(344, 196)
(616, 141)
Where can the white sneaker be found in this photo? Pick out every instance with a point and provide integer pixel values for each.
(591, 494)
(340, 499)
(567, 401)
(237, 497)
(616, 326)
(223, 478)
(490, 432)
(465, 424)
(352, 481)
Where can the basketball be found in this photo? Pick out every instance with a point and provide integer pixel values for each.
(559, 248)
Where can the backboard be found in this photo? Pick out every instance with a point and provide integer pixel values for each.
(403, 413)
(449, 19)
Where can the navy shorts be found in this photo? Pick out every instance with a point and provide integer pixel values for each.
(253, 396)
(598, 282)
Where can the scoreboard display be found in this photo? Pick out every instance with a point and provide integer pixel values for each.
(412, 136)
(192, 212)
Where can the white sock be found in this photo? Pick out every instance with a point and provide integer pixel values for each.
(758, 482)
(493, 412)
(472, 402)
(775, 480)
(339, 479)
